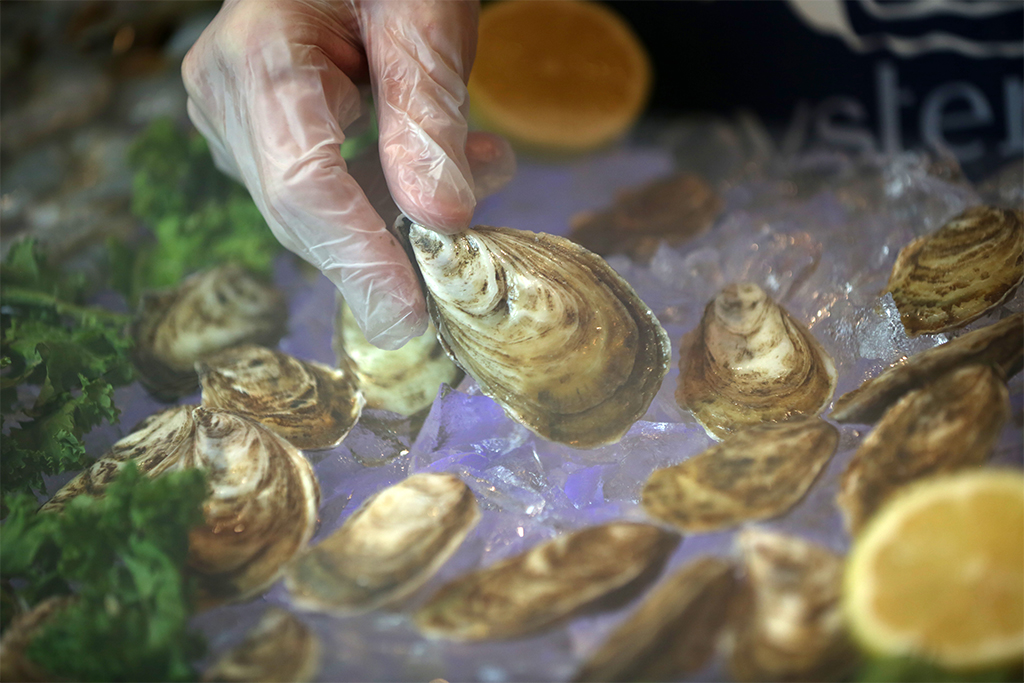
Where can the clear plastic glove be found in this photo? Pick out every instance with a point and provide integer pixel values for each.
(273, 84)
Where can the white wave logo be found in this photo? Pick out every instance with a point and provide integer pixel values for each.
(832, 17)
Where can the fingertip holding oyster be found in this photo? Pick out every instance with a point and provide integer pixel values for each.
(749, 361)
(969, 266)
(545, 327)
(387, 548)
(757, 473)
(309, 404)
(549, 583)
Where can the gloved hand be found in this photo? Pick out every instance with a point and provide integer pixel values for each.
(272, 85)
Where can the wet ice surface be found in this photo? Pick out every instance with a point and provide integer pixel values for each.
(822, 245)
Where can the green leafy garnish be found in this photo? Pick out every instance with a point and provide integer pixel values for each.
(122, 557)
(66, 358)
(198, 216)
(912, 670)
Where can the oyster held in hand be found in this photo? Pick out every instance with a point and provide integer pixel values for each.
(404, 380)
(309, 404)
(548, 583)
(546, 328)
(388, 548)
(1000, 345)
(207, 312)
(969, 266)
(757, 473)
(945, 426)
(749, 361)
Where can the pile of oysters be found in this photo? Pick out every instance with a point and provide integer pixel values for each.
(565, 346)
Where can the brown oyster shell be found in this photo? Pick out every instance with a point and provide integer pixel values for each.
(309, 404)
(748, 362)
(790, 626)
(155, 445)
(546, 328)
(208, 312)
(945, 426)
(967, 267)
(548, 583)
(1000, 345)
(262, 507)
(673, 632)
(278, 647)
(675, 208)
(756, 473)
(14, 662)
(405, 380)
(388, 548)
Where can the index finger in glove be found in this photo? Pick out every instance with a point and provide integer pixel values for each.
(420, 54)
(315, 208)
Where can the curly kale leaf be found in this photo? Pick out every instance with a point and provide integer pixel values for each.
(198, 216)
(65, 358)
(122, 556)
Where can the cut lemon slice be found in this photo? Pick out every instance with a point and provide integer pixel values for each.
(938, 573)
(557, 76)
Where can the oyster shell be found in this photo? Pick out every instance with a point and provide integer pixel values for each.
(967, 267)
(548, 583)
(757, 473)
(947, 425)
(309, 404)
(405, 380)
(155, 445)
(14, 662)
(278, 648)
(1000, 345)
(207, 312)
(791, 626)
(546, 328)
(675, 208)
(748, 362)
(388, 548)
(261, 508)
(674, 631)
(261, 511)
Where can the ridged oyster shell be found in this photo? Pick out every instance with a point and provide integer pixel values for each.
(207, 312)
(278, 647)
(675, 208)
(969, 266)
(388, 548)
(262, 502)
(944, 426)
(757, 473)
(748, 362)
(1000, 345)
(674, 630)
(548, 583)
(545, 327)
(791, 627)
(309, 404)
(405, 380)
(262, 507)
(155, 445)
